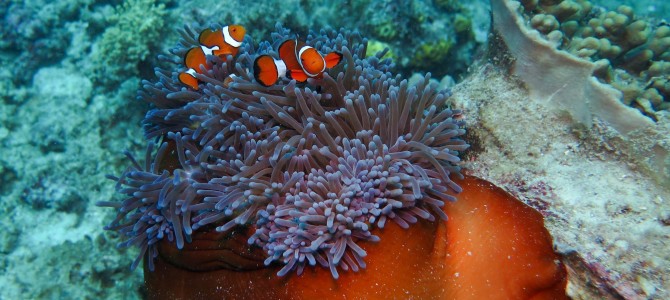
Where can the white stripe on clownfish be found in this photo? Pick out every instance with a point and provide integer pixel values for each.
(229, 39)
(207, 50)
(281, 67)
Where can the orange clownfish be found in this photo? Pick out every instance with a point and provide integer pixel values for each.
(220, 42)
(297, 61)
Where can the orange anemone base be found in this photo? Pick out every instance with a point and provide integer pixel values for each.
(492, 247)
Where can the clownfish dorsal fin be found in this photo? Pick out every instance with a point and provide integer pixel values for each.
(332, 59)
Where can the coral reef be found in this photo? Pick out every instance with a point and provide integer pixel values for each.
(136, 33)
(32, 36)
(554, 75)
(603, 210)
(420, 38)
(431, 54)
(50, 138)
(58, 120)
(656, 9)
(313, 167)
(596, 168)
(40, 33)
(631, 52)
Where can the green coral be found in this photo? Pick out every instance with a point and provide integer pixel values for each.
(448, 5)
(375, 46)
(385, 31)
(138, 27)
(432, 54)
(462, 24)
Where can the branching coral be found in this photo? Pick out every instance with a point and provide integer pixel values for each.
(136, 30)
(314, 168)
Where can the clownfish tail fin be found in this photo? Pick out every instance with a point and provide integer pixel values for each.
(332, 59)
(188, 78)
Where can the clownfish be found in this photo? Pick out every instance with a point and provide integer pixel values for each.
(297, 61)
(220, 42)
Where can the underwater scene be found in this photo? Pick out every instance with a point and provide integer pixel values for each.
(372, 149)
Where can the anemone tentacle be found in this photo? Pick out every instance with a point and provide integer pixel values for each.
(314, 167)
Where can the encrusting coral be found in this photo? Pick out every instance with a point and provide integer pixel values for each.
(313, 168)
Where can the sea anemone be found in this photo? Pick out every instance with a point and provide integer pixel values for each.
(313, 168)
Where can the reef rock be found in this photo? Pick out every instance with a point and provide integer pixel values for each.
(547, 131)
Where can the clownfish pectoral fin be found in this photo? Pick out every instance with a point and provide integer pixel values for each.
(223, 54)
(332, 59)
(188, 78)
(298, 75)
(267, 70)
